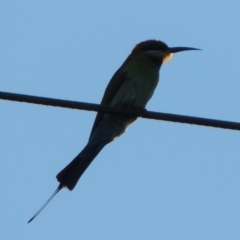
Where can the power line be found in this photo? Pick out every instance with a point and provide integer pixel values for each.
(114, 110)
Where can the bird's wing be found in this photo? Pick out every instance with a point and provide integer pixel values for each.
(113, 86)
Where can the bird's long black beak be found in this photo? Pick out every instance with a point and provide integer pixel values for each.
(181, 49)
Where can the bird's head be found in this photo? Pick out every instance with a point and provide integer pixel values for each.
(158, 50)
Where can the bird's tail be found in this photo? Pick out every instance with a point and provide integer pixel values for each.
(70, 175)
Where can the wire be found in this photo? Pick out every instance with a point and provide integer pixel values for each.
(115, 110)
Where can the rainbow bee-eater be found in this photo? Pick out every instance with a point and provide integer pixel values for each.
(131, 87)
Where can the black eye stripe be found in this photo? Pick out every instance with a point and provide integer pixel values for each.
(153, 51)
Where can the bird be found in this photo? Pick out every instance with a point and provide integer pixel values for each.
(131, 87)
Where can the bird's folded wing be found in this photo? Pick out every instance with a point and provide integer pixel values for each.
(113, 86)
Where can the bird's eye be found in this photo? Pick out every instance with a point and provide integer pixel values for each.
(165, 55)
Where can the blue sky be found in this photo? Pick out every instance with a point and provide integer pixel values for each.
(160, 180)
